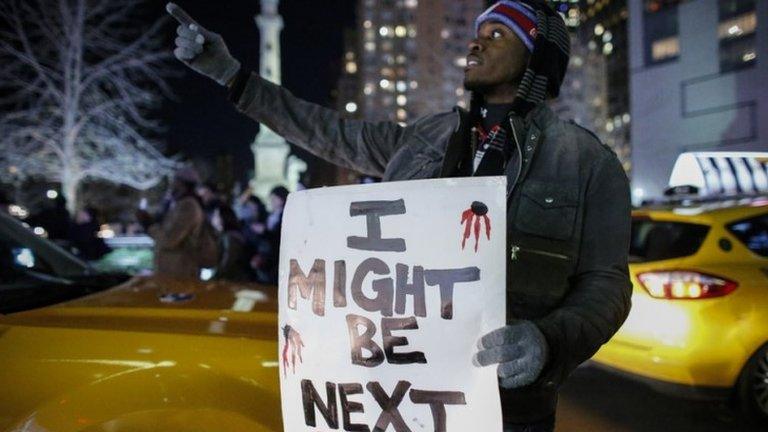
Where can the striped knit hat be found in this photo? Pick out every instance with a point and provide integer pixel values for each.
(548, 42)
(519, 17)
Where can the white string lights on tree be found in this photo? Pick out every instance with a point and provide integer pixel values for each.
(79, 81)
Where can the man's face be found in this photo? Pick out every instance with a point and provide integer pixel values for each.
(497, 59)
(178, 189)
(205, 193)
(276, 201)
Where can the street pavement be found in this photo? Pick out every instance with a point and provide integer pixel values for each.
(594, 400)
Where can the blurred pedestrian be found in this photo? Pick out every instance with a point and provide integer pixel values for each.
(55, 220)
(249, 207)
(234, 260)
(133, 229)
(84, 235)
(209, 197)
(262, 256)
(277, 199)
(266, 257)
(253, 215)
(183, 242)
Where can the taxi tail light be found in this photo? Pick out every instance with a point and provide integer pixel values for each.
(685, 285)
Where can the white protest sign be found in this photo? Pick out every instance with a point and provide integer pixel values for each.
(384, 290)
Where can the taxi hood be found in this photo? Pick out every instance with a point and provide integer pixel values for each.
(158, 304)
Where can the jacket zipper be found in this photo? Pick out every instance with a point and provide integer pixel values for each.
(515, 249)
(519, 159)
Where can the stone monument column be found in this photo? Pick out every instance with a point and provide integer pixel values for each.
(269, 149)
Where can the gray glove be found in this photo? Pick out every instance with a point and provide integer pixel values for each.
(520, 349)
(202, 50)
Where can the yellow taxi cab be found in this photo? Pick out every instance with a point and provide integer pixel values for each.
(85, 351)
(698, 326)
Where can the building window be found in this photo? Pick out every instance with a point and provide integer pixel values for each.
(660, 31)
(737, 30)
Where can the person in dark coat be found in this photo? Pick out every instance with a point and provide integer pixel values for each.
(84, 238)
(55, 220)
(568, 206)
(277, 198)
(178, 230)
(263, 259)
(234, 261)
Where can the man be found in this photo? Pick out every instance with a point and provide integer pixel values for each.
(568, 289)
(83, 235)
(209, 198)
(55, 219)
(177, 232)
(277, 199)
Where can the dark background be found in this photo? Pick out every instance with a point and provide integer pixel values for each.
(202, 124)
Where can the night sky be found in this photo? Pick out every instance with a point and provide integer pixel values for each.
(202, 123)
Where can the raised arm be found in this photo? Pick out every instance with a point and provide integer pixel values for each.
(363, 146)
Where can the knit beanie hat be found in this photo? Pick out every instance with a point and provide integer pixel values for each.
(549, 44)
(519, 17)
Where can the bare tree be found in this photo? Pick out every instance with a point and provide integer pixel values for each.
(78, 84)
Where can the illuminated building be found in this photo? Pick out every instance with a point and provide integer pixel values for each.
(411, 56)
(604, 30)
(595, 93)
(405, 60)
(348, 91)
(697, 75)
(349, 95)
(412, 53)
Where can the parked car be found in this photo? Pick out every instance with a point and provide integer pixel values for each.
(699, 320)
(87, 351)
(130, 254)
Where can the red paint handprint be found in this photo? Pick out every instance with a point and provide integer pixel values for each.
(471, 217)
(294, 342)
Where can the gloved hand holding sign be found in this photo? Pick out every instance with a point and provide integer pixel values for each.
(202, 50)
(520, 350)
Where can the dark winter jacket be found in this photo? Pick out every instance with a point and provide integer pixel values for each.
(568, 216)
(177, 239)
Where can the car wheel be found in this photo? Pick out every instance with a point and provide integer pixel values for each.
(753, 386)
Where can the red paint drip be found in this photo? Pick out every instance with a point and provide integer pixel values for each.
(472, 219)
(285, 358)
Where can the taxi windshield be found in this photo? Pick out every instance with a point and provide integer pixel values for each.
(34, 272)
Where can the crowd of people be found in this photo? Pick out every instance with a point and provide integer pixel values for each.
(78, 233)
(197, 228)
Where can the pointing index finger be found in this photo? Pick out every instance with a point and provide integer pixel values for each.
(180, 15)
